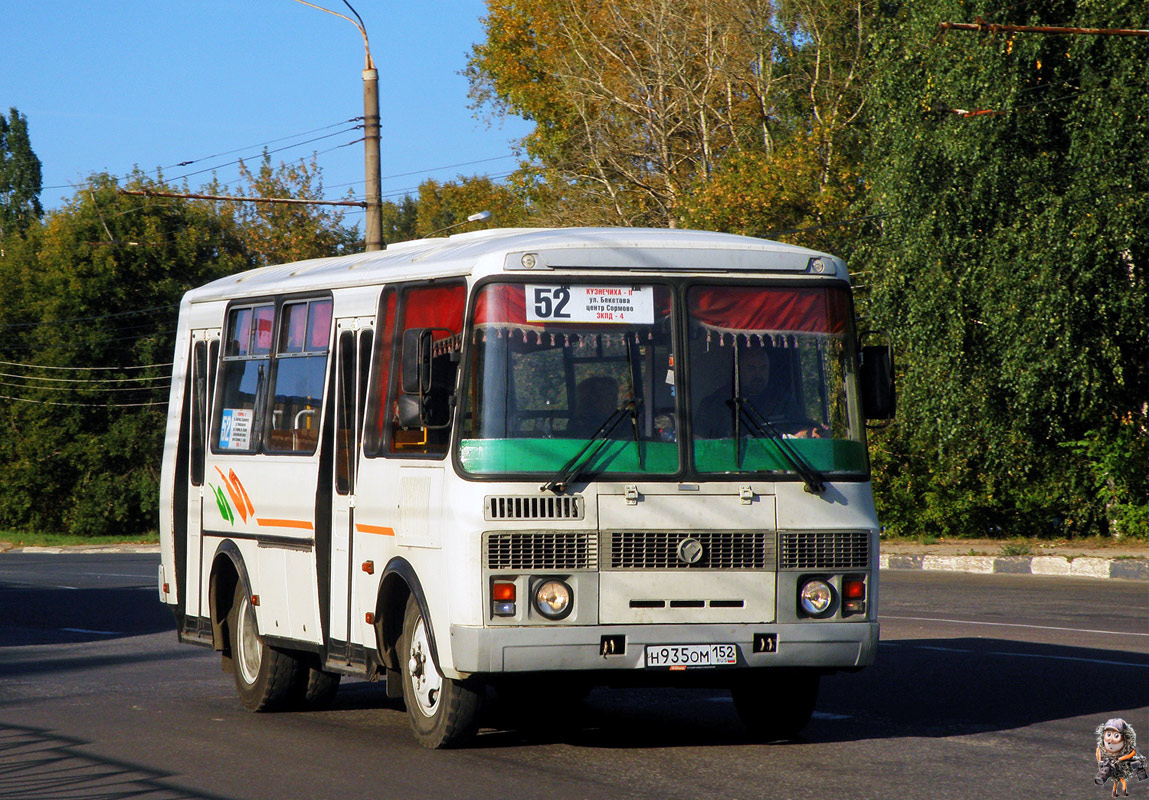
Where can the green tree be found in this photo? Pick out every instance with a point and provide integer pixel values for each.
(400, 220)
(444, 204)
(90, 299)
(1010, 176)
(20, 181)
(651, 111)
(441, 205)
(276, 233)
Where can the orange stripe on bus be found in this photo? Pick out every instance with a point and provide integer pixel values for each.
(285, 523)
(359, 526)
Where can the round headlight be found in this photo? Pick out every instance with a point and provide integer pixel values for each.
(553, 599)
(816, 597)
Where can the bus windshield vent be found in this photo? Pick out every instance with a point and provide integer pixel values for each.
(543, 550)
(502, 507)
(824, 550)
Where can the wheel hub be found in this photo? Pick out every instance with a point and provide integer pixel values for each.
(250, 652)
(426, 682)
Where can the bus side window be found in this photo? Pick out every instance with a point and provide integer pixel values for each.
(246, 364)
(345, 414)
(198, 388)
(375, 422)
(300, 373)
(440, 308)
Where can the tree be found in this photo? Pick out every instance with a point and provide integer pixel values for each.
(1011, 270)
(639, 105)
(89, 302)
(20, 181)
(277, 233)
(440, 206)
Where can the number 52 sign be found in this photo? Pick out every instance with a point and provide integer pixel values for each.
(611, 304)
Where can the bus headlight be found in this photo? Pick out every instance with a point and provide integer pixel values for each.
(816, 597)
(553, 599)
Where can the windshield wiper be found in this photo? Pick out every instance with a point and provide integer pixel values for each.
(571, 470)
(760, 426)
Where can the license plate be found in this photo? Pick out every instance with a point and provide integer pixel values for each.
(686, 656)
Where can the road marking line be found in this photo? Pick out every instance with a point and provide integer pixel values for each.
(86, 630)
(1075, 658)
(1019, 655)
(1011, 625)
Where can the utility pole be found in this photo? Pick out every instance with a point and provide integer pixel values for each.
(373, 226)
(374, 223)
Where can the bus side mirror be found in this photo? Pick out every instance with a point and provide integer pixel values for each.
(427, 398)
(416, 365)
(879, 398)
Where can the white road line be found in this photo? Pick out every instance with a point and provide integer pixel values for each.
(1105, 662)
(1011, 625)
(1075, 658)
(86, 630)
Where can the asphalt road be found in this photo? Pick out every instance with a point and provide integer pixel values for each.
(985, 686)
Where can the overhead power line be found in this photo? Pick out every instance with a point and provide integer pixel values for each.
(189, 162)
(88, 369)
(263, 144)
(992, 28)
(229, 198)
(86, 380)
(83, 405)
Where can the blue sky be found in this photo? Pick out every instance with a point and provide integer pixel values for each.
(110, 85)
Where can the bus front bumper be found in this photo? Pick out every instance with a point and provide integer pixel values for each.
(818, 645)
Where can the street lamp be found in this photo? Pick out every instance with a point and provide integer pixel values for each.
(374, 224)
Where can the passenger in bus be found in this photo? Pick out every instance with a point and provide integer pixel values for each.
(596, 399)
(774, 399)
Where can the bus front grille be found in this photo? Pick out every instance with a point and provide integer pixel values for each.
(542, 550)
(513, 507)
(715, 550)
(824, 550)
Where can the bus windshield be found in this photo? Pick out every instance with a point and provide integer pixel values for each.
(555, 366)
(773, 380)
(567, 378)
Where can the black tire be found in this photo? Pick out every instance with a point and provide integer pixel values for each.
(320, 690)
(775, 704)
(266, 678)
(442, 712)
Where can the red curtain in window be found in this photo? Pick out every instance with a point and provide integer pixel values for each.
(742, 309)
(435, 307)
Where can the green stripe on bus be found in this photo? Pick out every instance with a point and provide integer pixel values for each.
(496, 456)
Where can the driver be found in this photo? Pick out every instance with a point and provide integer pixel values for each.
(774, 400)
(596, 399)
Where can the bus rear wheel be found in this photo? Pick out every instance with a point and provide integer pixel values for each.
(266, 679)
(443, 712)
(320, 689)
(777, 703)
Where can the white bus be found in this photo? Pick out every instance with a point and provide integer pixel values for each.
(532, 460)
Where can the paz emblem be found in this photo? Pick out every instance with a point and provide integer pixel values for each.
(690, 551)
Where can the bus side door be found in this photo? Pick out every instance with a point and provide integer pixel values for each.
(204, 356)
(353, 341)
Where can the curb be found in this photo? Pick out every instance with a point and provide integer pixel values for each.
(1130, 569)
(81, 550)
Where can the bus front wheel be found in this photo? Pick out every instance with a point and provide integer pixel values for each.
(443, 712)
(266, 679)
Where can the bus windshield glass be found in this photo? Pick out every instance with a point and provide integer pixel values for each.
(559, 369)
(773, 381)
